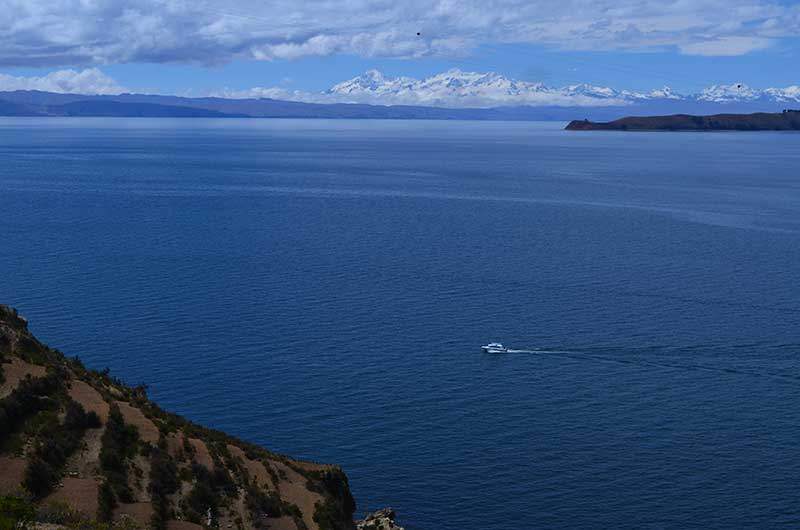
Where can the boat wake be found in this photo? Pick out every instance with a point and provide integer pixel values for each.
(665, 364)
(535, 350)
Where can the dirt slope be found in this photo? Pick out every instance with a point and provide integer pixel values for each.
(79, 445)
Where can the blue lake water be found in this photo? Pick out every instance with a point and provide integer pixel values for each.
(323, 287)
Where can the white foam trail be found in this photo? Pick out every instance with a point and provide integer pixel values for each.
(535, 351)
(665, 364)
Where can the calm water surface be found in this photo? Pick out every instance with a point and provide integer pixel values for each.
(322, 288)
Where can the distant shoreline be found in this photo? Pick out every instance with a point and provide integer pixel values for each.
(788, 120)
(21, 103)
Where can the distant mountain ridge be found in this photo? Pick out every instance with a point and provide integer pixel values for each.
(459, 88)
(453, 95)
(34, 103)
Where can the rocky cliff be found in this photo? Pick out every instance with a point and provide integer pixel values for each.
(381, 520)
(80, 449)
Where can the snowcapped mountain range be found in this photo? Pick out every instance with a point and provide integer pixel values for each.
(454, 94)
(456, 88)
(453, 89)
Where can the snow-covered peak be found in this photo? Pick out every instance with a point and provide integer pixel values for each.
(789, 94)
(664, 92)
(370, 81)
(735, 92)
(458, 88)
(739, 92)
(475, 87)
(584, 89)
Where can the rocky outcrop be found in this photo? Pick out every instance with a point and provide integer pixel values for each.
(381, 520)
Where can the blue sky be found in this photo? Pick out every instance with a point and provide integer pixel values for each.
(636, 71)
(205, 46)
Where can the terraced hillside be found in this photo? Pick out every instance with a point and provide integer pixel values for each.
(80, 449)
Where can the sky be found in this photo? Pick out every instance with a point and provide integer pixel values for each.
(201, 47)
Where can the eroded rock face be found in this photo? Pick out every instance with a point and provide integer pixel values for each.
(380, 520)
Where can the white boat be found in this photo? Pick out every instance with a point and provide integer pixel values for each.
(494, 347)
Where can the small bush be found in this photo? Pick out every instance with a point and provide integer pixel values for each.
(209, 491)
(164, 481)
(31, 396)
(56, 442)
(39, 477)
(336, 512)
(118, 445)
(58, 513)
(202, 498)
(262, 504)
(15, 513)
(93, 420)
(106, 502)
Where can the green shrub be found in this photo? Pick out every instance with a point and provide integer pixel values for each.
(59, 513)
(106, 502)
(209, 491)
(261, 505)
(32, 350)
(336, 512)
(39, 477)
(164, 481)
(76, 418)
(31, 396)
(15, 513)
(118, 445)
(55, 442)
(188, 448)
(203, 495)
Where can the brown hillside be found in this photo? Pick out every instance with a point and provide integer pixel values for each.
(78, 446)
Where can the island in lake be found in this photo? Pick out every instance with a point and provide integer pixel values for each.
(788, 120)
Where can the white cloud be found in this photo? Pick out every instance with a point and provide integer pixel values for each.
(59, 32)
(88, 81)
(726, 46)
(280, 93)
